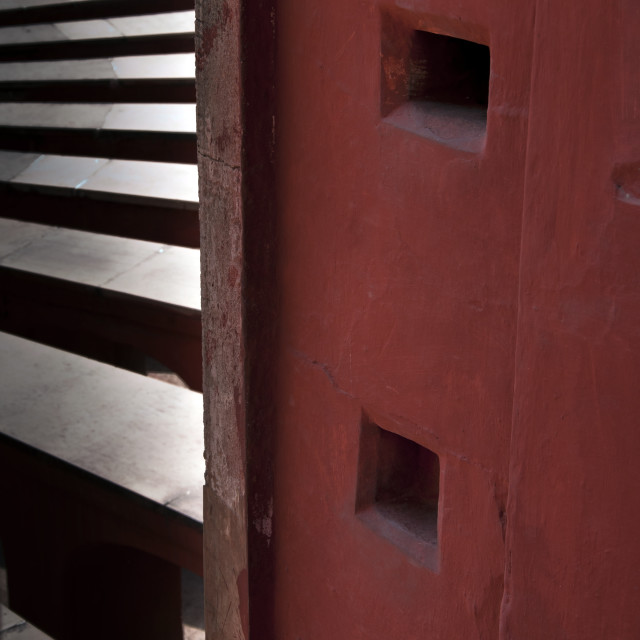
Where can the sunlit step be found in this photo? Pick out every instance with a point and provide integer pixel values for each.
(139, 117)
(17, 12)
(163, 183)
(169, 66)
(164, 273)
(117, 27)
(159, 132)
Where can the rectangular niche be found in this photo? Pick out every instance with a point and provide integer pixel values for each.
(435, 85)
(398, 492)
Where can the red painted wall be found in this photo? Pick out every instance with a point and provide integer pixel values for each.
(421, 320)
(399, 248)
(573, 558)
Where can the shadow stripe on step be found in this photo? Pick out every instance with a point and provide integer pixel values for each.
(125, 144)
(143, 90)
(80, 49)
(158, 132)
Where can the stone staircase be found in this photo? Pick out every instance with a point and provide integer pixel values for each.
(99, 261)
(109, 176)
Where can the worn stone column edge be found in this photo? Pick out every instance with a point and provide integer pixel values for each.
(236, 121)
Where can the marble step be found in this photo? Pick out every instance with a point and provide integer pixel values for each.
(16, 12)
(156, 201)
(96, 461)
(162, 184)
(151, 78)
(162, 273)
(160, 460)
(125, 36)
(112, 28)
(65, 287)
(159, 132)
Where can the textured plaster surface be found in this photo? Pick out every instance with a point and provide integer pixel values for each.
(476, 292)
(398, 258)
(573, 556)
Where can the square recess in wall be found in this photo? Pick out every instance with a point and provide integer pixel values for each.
(435, 85)
(398, 491)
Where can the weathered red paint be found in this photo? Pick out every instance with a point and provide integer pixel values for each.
(574, 507)
(441, 284)
(398, 275)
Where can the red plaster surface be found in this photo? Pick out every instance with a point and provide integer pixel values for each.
(471, 289)
(574, 505)
(398, 267)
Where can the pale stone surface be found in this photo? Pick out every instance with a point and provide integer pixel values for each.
(171, 65)
(51, 114)
(139, 117)
(94, 69)
(8, 618)
(177, 22)
(152, 117)
(170, 275)
(137, 432)
(14, 162)
(60, 171)
(157, 24)
(88, 29)
(136, 267)
(30, 33)
(87, 258)
(173, 184)
(178, 182)
(192, 633)
(15, 235)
